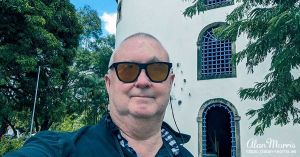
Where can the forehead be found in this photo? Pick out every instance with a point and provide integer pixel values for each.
(141, 50)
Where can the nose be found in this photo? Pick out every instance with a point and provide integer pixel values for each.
(143, 81)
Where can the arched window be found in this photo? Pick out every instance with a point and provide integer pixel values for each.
(210, 4)
(214, 56)
(219, 132)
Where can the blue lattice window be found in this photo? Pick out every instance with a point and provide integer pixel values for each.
(214, 58)
(210, 4)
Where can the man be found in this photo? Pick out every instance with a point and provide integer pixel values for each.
(138, 83)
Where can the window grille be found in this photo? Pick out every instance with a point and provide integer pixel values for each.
(215, 57)
(210, 4)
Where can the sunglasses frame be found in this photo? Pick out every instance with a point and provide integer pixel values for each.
(141, 67)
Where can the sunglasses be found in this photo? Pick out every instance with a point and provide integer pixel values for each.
(128, 72)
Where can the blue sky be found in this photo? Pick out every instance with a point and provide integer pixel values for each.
(107, 11)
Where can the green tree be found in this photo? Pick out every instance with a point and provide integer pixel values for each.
(273, 28)
(36, 33)
(90, 66)
(88, 88)
(86, 83)
(73, 56)
(91, 23)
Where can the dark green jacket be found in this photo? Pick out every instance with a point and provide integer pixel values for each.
(89, 141)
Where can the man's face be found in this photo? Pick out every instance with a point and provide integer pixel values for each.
(141, 98)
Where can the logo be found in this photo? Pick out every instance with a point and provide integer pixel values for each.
(270, 146)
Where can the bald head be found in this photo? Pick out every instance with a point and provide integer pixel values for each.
(139, 38)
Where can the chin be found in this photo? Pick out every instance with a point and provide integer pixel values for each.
(142, 116)
(146, 115)
(143, 111)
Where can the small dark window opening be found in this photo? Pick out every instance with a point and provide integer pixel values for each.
(218, 134)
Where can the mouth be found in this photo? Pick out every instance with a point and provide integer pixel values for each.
(141, 96)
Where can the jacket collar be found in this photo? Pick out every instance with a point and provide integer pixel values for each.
(179, 137)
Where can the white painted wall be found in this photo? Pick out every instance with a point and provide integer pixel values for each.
(164, 20)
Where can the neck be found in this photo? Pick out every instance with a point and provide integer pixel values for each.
(137, 128)
(143, 135)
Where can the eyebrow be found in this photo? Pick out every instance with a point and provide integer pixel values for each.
(154, 59)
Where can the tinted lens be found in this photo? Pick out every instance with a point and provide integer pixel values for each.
(158, 72)
(127, 72)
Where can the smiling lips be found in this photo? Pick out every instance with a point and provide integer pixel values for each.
(141, 96)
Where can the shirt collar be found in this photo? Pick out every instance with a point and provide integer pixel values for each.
(165, 132)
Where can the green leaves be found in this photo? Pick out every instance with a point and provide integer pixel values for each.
(196, 8)
(28, 64)
(35, 20)
(36, 33)
(8, 145)
(91, 24)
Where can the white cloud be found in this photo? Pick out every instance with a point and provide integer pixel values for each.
(109, 22)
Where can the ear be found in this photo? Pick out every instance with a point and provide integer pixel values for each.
(107, 82)
(172, 77)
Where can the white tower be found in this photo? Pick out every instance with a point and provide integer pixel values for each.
(205, 93)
